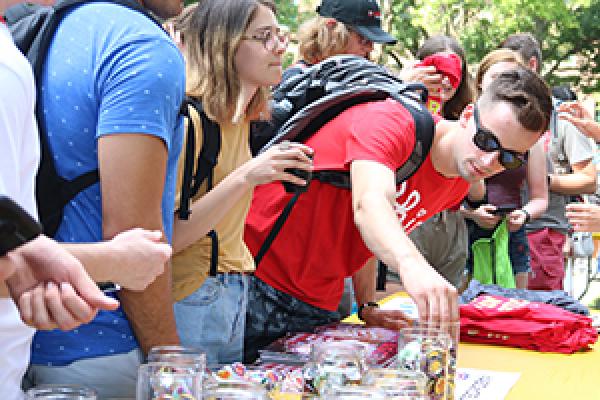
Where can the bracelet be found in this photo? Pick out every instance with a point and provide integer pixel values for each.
(527, 216)
(363, 306)
(549, 180)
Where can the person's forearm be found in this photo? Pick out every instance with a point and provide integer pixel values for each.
(97, 258)
(150, 313)
(573, 184)
(363, 282)
(536, 207)
(382, 233)
(209, 210)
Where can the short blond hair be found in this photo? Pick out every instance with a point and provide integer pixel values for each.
(495, 57)
(322, 37)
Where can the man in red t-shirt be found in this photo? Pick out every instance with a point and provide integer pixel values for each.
(331, 232)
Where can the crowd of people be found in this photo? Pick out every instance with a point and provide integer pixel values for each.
(110, 94)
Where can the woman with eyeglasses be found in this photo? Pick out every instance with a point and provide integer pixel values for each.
(502, 197)
(233, 51)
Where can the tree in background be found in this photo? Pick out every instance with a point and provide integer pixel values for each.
(569, 30)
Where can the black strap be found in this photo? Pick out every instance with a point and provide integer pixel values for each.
(381, 276)
(206, 163)
(69, 189)
(188, 166)
(424, 133)
(214, 252)
(276, 228)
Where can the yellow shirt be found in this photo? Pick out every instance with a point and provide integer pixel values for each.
(191, 265)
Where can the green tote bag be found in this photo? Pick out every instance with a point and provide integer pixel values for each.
(491, 262)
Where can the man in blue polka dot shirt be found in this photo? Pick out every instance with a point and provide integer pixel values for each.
(111, 91)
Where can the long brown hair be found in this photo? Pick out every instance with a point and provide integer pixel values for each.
(464, 94)
(212, 36)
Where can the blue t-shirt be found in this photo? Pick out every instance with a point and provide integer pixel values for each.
(110, 70)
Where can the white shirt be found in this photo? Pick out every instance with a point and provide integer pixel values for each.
(19, 159)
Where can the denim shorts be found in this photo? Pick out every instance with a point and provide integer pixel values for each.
(213, 318)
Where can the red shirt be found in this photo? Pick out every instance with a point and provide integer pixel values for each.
(521, 323)
(319, 244)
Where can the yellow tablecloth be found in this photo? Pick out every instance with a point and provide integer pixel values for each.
(544, 376)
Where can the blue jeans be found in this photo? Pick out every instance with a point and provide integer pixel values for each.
(213, 318)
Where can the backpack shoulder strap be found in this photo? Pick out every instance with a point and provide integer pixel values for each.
(424, 133)
(207, 158)
(206, 163)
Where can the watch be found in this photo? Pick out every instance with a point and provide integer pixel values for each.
(363, 306)
(527, 215)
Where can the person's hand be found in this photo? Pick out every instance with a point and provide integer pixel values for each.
(142, 257)
(270, 166)
(581, 118)
(583, 217)
(390, 319)
(426, 75)
(483, 216)
(7, 268)
(435, 297)
(573, 111)
(515, 220)
(51, 288)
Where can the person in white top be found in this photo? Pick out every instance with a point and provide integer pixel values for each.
(47, 283)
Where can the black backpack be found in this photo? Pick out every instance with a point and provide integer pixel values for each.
(33, 28)
(309, 99)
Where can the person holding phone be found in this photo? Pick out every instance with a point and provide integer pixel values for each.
(501, 197)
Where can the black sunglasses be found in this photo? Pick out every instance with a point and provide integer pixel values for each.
(485, 140)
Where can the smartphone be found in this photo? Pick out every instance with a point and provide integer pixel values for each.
(17, 227)
(504, 209)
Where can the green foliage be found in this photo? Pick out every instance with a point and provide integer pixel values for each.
(565, 28)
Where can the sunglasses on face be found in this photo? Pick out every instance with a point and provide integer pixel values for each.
(485, 140)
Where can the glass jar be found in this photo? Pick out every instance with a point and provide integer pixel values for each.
(337, 364)
(164, 380)
(234, 390)
(60, 392)
(426, 350)
(178, 354)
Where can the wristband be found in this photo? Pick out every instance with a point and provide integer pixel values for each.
(363, 306)
(549, 180)
(527, 215)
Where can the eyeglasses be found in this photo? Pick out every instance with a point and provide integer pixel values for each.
(485, 140)
(270, 39)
